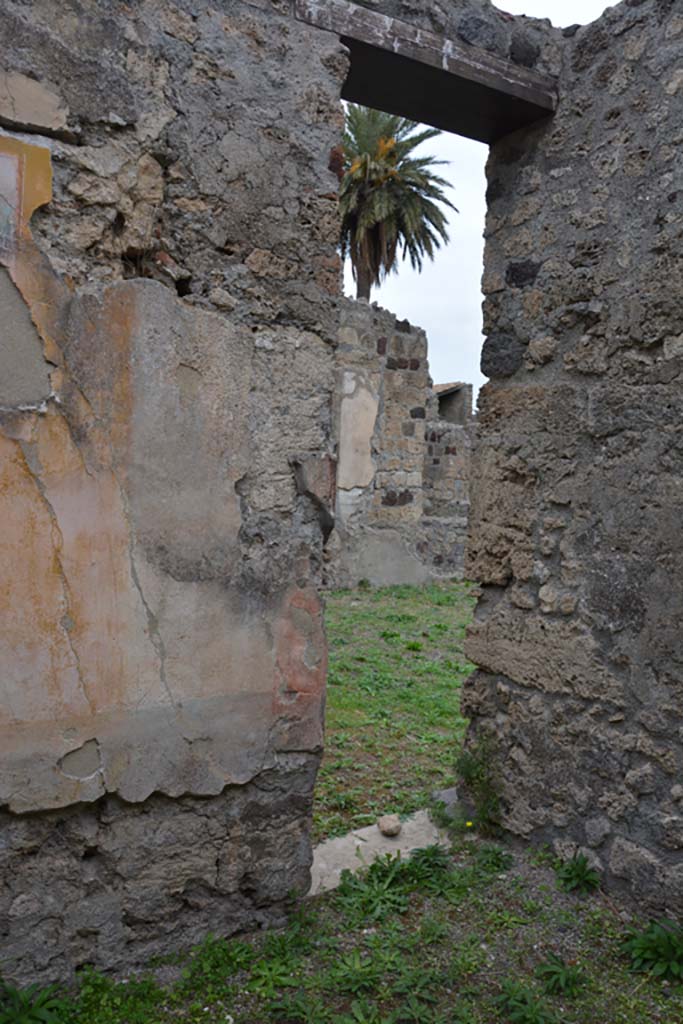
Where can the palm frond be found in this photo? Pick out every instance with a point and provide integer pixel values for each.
(390, 201)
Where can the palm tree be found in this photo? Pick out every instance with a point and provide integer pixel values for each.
(388, 198)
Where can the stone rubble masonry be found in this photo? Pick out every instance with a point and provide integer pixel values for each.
(576, 482)
(168, 274)
(168, 220)
(446, 491)
(117, 883)
(526, 42)
(402, 473)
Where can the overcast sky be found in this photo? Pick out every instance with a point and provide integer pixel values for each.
(445, 298)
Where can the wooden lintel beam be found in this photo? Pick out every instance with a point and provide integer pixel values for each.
(403, 69)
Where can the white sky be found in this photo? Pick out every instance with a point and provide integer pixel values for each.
(445, 298)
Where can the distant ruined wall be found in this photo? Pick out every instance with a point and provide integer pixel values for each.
(576, 483)
(402, 499)
(446, 495)
(168, 270)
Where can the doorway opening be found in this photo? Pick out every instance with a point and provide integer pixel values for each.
(396, 641)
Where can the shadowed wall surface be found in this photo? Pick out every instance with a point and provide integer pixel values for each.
(577, 477)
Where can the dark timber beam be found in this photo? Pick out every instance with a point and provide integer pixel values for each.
(408, 71)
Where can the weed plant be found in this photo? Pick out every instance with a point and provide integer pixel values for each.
(475, 767)
(658, 948)
(576, 875)
(32, 1005)
(560, 978)
(212, 967)
(518, 1004)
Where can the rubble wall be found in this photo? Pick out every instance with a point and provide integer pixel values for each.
(168, 274)
(446, 495)
(401, 502)
(576, 483)
(527, 42)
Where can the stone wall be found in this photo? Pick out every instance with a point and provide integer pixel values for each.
(168, 270)
(527, 42)
(446, 483)
(577, 477)
(169, 289)
(402, 472)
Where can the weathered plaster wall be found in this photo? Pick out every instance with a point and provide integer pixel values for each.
(379, 408)
(167, 364)
(396, 514)
(577, 476)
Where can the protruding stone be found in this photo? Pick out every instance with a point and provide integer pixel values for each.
(501, 356)
(222, 298)
(523, 51)
(26, 103)
(597, 830)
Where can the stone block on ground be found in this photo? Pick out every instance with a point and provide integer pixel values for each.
(361, 847)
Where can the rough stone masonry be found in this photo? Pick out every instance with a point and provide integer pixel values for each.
(168, 238)
(578, 476)
(402, 480)
(169, 284)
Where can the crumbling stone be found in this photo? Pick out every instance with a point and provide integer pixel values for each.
(572, 487)
(169, 364)
(401, 512)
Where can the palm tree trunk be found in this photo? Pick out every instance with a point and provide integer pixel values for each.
(363, 283)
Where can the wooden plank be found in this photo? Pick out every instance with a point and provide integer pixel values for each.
(407, 70)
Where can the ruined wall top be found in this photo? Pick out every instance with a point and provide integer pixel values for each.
(528, 42)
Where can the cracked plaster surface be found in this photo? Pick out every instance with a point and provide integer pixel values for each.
(129, 630)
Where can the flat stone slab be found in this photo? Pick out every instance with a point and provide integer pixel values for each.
(360, 848)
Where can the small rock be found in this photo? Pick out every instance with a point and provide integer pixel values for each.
(523, 51)
(449, 800)
(501, 355)
(481, 32)
(222, 298)
(389, 824)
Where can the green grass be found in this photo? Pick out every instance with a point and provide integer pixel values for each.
(475, 935)
(393, 701)
(480, 934)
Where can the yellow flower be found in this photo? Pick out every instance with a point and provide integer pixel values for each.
(384, 147)
(468, 824)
